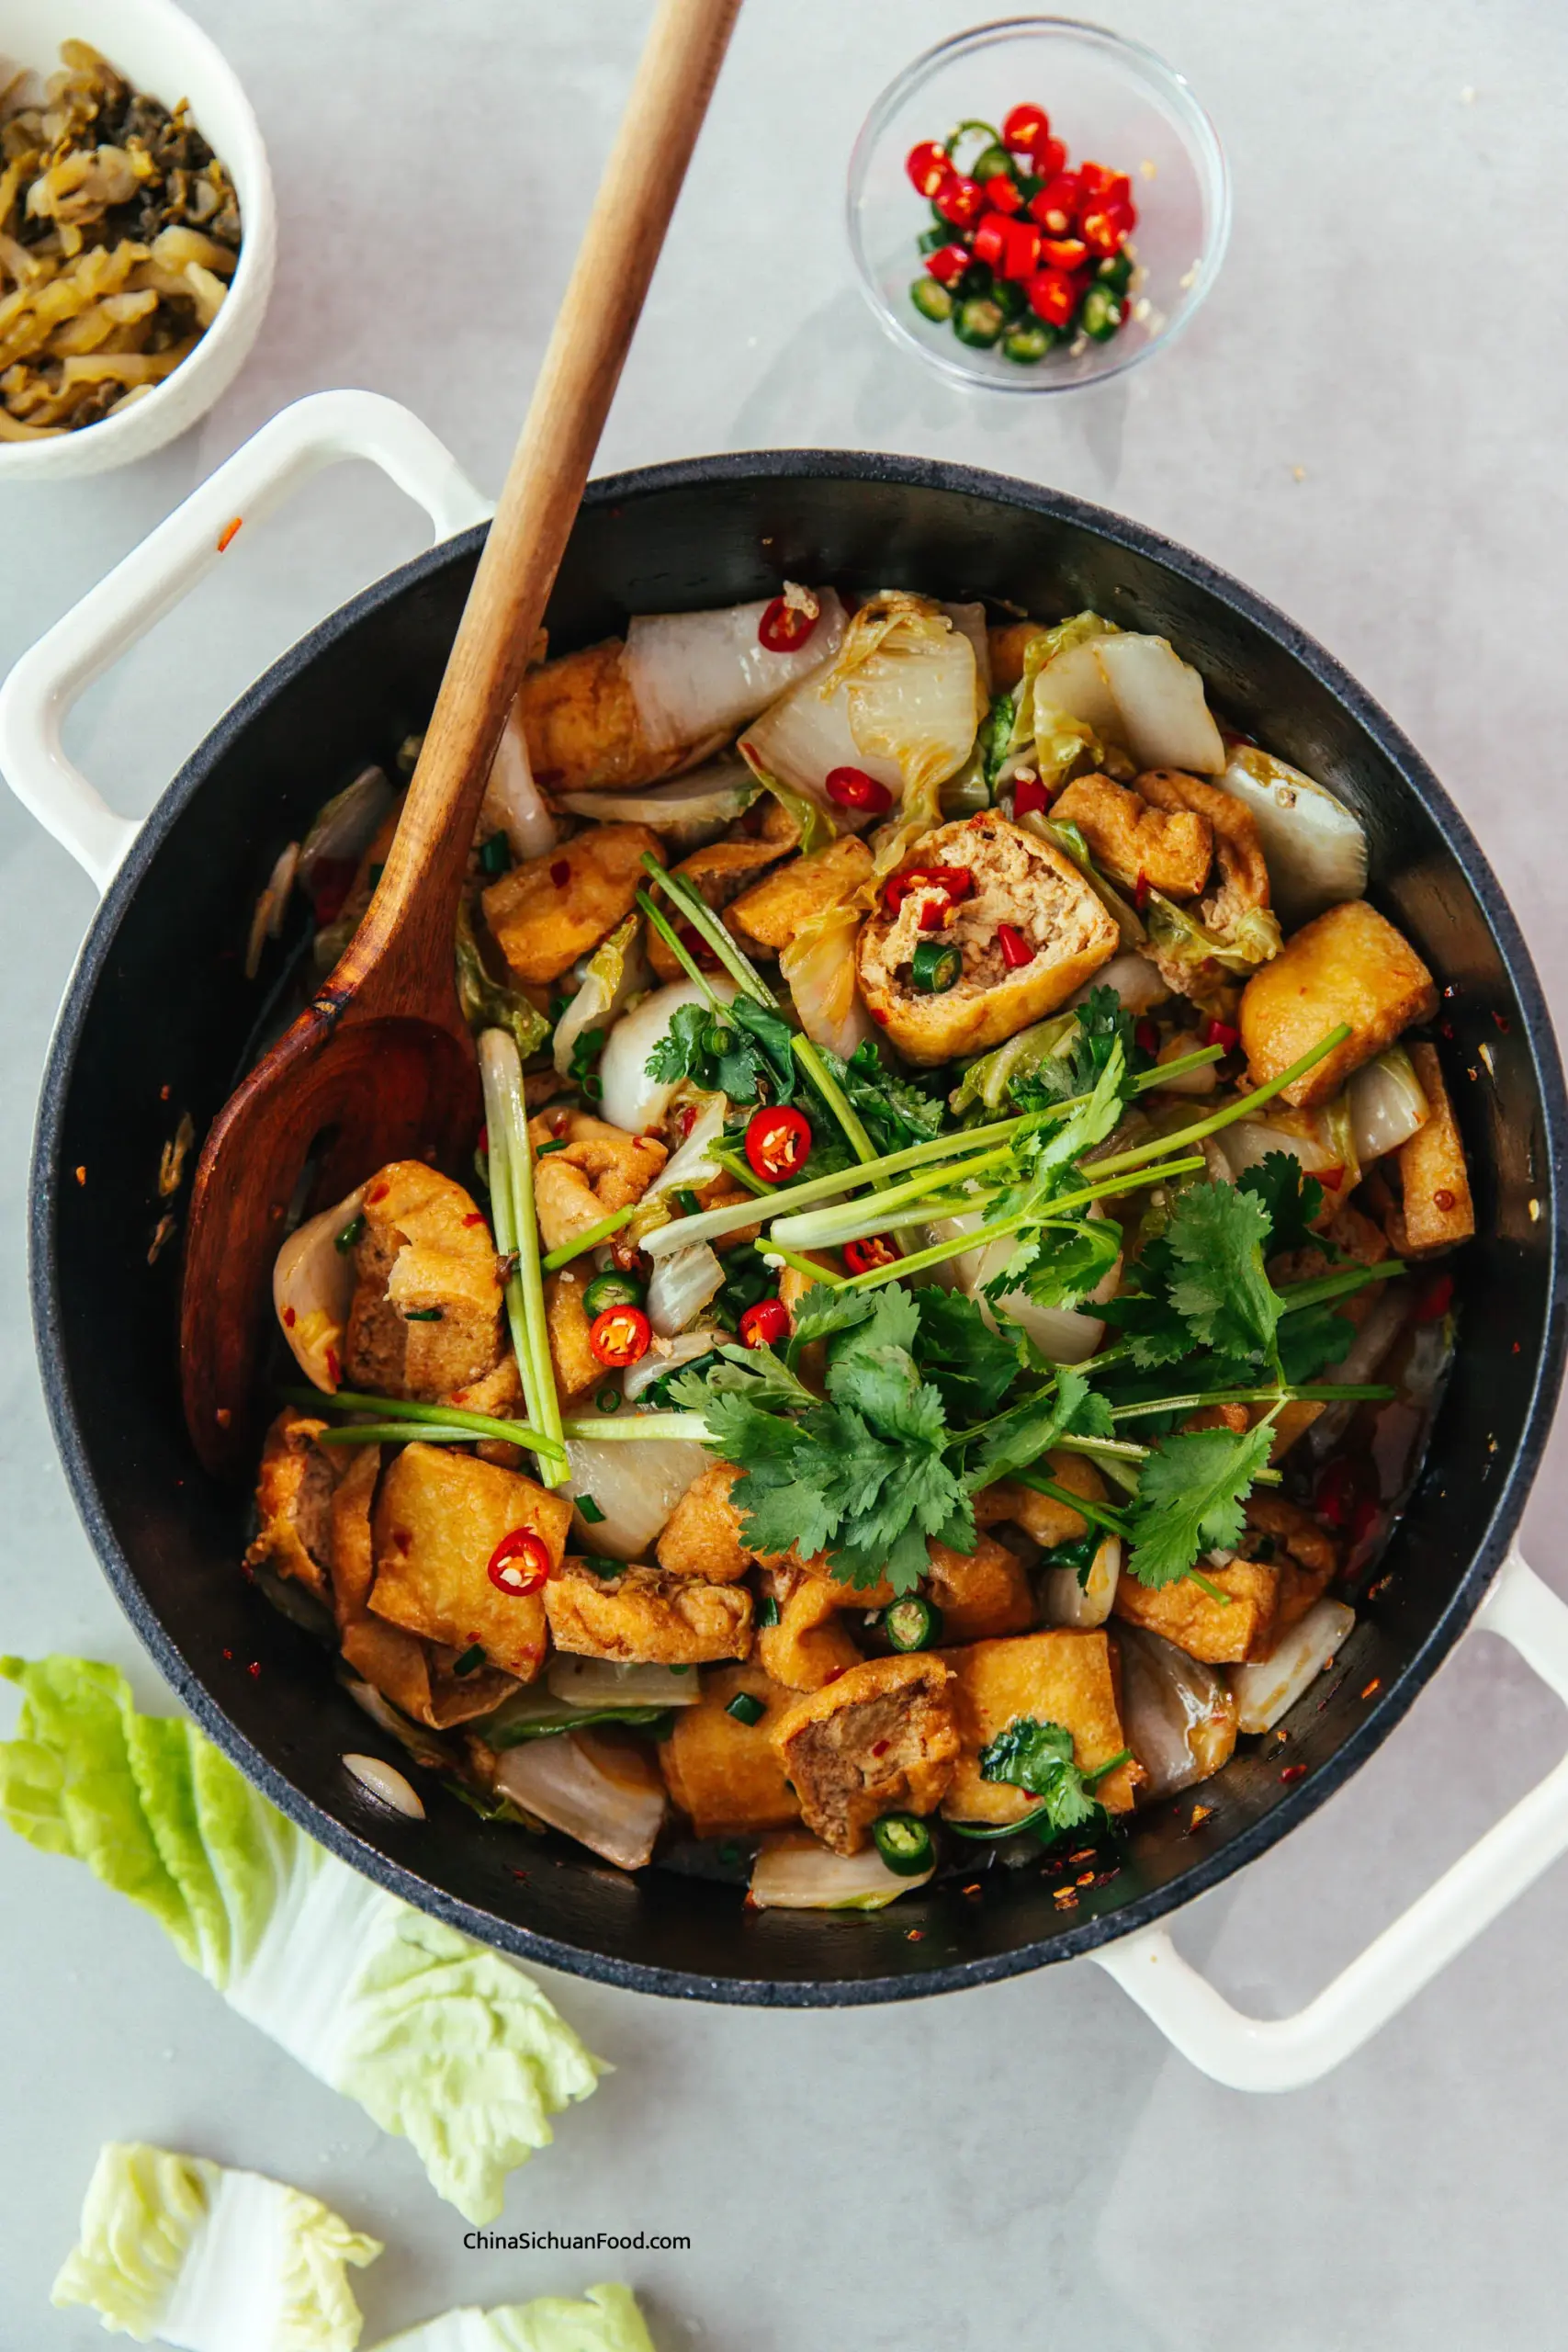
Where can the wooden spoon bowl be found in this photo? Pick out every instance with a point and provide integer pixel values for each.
(380, 1065)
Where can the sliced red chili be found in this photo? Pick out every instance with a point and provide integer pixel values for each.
(764, 1324)
(1438, 1300)
(1025, 127)
(620, 1336)
(1063, 253)
(957, 881)
(1051, 296)
(853, 788)
(990, 237)
(1020, 249)
(1220, 1032)
(865, 1257)
(1029, 798)
(929, 166)
(962, 200)
(1016, 949)
(948, 262)
(784, 627)
(1049, 158)
(1141, 890)
(778, 1143)
(520, 1563)
(1002, 194)
(1146, 1037)
(1105, 227)
(1056, 205)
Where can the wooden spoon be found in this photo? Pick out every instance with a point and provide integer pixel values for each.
(382, 1066)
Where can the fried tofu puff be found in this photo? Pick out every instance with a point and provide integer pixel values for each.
(810, 1644)
(294, 1503)
(1437, 1209)
(1241, 882)
(880, 1739)
(549, 910)
(1171, 850)
(581, 724)
(425, 1317)
(1017, 880)
(599, 1170)
(1283, 1564)
(1061, 1677)
(718, 873)
(702, 1535)
(645, 1617)
(1008, 641)
(569, 1323)
(981, 1594)
(773, 911)
(1350, 965)
(722, 1772)
(437, 1519)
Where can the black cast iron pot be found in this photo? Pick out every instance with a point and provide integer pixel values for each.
(160, 1018)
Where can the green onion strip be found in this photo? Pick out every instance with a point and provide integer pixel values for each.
(516, 1229)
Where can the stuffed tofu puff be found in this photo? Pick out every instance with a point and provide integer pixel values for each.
(787, 1437)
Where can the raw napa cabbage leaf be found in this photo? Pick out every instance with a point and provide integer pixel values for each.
(439, 2039)
(211, 2260)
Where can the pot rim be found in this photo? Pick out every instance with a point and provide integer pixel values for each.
(1298, 1802)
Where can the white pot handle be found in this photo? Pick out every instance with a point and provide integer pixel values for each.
(1283, 2053)
(319, 431)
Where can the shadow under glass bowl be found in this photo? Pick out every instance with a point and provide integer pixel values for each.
(1111, 100)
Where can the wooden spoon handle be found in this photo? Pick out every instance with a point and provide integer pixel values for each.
(407, 935)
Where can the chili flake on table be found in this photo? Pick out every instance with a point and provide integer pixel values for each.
(1024, 254)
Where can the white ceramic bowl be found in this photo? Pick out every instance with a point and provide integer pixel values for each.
(159, 49)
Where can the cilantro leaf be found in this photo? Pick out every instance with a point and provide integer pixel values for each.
(972, 1365)
(1038, 1758)
(743, 1051)
(1216, 1236)
(1103, 1023)
(1060, 1263)
(1312, 1339)
(1189, 1500)
(1067, 1407)
(996, 732)
(1290, 1199)
(681, 1052)
(825, 1308)
(893, 1110)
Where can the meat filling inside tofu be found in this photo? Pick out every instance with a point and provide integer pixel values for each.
(1052, 916)
(645, 1617)
(426, 1313)
(549, 910)
(880, 1739)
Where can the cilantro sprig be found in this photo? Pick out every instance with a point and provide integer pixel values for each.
(1038, 1758)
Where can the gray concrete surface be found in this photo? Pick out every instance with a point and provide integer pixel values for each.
(1366, 425)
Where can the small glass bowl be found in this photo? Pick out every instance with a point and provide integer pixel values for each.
(1111, 100)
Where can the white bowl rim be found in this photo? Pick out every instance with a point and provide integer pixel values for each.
(259, 225)
(1161, 70)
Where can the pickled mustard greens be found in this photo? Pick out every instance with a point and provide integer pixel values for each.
(119, 232)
